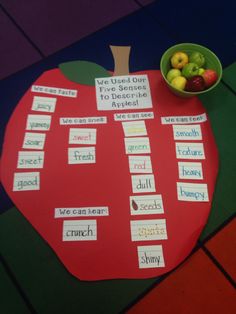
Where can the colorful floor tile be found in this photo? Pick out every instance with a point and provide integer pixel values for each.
(223, 247)
(197, 286)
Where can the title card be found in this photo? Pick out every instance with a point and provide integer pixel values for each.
(123, 92)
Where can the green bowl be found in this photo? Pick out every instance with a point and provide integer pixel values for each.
(211, 62)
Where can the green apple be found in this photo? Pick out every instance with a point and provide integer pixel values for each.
(179, 82)
(197, 58)
(179, 59)
(190, 69)
(172, 73)
(201, 71)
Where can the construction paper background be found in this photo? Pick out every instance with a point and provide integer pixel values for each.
(108, 181)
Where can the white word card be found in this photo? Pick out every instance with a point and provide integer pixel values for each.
(26, 181)
(134, 128)
(38, 122)
(82, 136)
(137, 145)
(79, 230)
(143, 183)
(133, 116)
(187, 132)
(148, 230)
(54, 91)
(34, 140)
(189, 151)
(46, 104)
(190, 170)
(81, 155)
(81, 211)
(192, 192)
(146, 204)
(150, 256)
(123, 92)
(30, 159)
(140, 164)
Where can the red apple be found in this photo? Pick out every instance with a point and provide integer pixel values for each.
(210, 77)
(195, 84)
(71, 188)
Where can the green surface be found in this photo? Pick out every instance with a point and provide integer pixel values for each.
(229, 76)
(221, 107)
(83, 72)
(11, 301)
(46, 282)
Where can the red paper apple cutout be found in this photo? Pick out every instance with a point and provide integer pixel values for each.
(88, 212)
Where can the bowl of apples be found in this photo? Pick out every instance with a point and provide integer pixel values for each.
(190, 69)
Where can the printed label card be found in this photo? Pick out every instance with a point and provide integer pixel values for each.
(54, 91)
(81, 155)
(26, 181)
(82, 136)
(148, 230)
(140, 164)
(190, 151)
(123, 92)
(134, 128)
(190, 170)
(192, 192)
(82, 120)
(137, 145)
(81, 211)
(46, 104)
(143, 183)
(150, 256)
(184, 119)
(30, 159)
(38, 122)
(146, 204)
(133, 116)
(187, 132)
(79, 230)
(34, 140)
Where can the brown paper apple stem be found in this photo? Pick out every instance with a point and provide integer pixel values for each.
(121, 59)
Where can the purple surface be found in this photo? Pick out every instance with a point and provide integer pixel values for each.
(145, 2)
(53, 24)
(15, 51)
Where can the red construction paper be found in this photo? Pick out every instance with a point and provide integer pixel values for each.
(108, 181)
